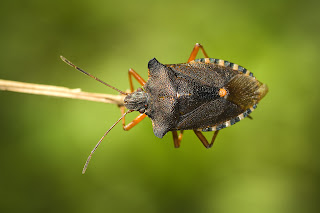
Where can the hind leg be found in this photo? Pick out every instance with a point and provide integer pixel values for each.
(203, 139)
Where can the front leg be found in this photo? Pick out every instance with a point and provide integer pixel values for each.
(134, 74)
(134, 122)
(140, 117)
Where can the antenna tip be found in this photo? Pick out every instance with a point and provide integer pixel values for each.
(64, 59)
(84, 169)
(86, 165)
(67, 61)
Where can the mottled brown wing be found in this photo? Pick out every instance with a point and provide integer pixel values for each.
(208, 74)
(209, 114)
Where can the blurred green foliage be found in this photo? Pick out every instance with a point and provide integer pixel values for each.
(268, 164)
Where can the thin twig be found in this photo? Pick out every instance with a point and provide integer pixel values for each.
(56, 91)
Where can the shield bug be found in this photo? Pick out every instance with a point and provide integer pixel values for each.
(202, 95)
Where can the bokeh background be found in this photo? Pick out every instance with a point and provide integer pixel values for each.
(268, 164)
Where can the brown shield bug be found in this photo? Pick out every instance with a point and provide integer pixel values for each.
(203, 94)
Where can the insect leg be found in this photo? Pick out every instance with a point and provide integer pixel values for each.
(177, 139)
(123, 109)
(134, 122)
(214, 137)
(134, 74)
(195, 52)
(203, 140)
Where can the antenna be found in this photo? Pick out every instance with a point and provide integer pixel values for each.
(95, 148)
(88, 74)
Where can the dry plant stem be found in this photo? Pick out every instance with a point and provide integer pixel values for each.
(56, 91)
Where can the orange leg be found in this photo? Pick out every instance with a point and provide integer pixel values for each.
(123, 109)
(135, 121)
(132, 123)
(195, 52)
(134, 74)
(140, 117)
(177, 139)
(204, 140)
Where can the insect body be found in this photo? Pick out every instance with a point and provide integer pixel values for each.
(201, 95)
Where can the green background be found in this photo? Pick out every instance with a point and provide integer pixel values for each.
(268, 164)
